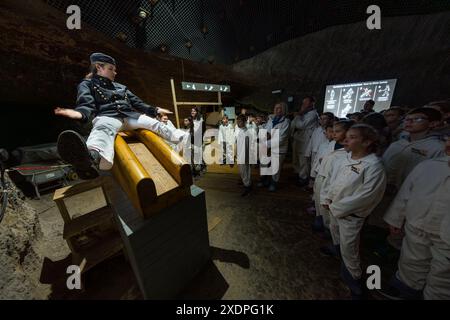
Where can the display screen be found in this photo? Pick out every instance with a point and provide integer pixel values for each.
(230, 112)
(342, 99)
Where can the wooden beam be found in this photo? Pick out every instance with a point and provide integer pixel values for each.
(132, 176)
(178, 168)
(163, 180)
(175, 104)
(219, 99)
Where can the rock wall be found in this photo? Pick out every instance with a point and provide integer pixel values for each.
(20, 267)
(413, 49)
(42, 62)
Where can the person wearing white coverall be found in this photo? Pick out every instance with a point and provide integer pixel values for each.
(355, 189)
(325, 171)
(302, 127)
(402, 156)
(226, 140)
(324, 150)
(199, 126)
(318, 137)
(278, 147)
(422, 208)
(246, 146)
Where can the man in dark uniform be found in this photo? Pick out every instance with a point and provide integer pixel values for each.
(115, 109)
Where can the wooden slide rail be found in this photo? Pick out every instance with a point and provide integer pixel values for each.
(152, 175)
(174, 163)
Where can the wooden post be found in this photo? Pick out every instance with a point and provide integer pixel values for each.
(184, 103)
(172, 84)
(219, 99)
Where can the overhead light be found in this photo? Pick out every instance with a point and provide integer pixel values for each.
(122, 36)
(140, 16)
(143, 14)
(277, 91)
(204, 30)
(188, 45)
(164, 48)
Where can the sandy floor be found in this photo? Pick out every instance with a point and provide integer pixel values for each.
(269, 235)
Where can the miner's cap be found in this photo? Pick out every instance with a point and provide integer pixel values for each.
(102, 58)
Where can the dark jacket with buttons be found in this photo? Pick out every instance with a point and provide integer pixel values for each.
(100, 96)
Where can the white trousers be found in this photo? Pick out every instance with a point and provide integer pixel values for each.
(276, 176)
(105, 129)
(300, 163)
(349, 236)
(227, 153)
(245, 170)
(424, 264)
(334, 228)
(320, 210)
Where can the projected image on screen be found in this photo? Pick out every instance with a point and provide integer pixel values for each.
(342, 99)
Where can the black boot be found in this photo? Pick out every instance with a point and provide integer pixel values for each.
(265, 182)
(326, 234)
(73, 150)
(331, 251)
(317, 225)
(397, 290)
(302, 182)
(357, 289)
(247, 191)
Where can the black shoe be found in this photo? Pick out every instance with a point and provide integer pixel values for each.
(326, 234)
(302, 183)
(355, 285)
(73, 150)
(391, 293)
(397, 290)
(246, 192)
(331, 251)
(360, 295)
(317, 225)
(265, 182)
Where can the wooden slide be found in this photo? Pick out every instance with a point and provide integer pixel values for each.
(153, 176)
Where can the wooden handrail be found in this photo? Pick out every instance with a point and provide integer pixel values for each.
(132, 176)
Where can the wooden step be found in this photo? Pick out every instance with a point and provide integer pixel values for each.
(86, 221)
(69, 191)
(95, 254)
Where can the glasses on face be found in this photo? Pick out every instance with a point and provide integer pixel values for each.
(416, 120)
